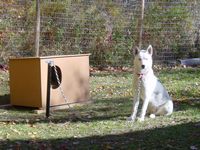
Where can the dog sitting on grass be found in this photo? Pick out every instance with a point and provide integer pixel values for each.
(156, 100)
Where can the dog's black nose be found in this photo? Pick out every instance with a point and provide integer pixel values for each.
(143, 66)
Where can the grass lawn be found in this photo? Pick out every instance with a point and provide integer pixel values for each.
(102, 124)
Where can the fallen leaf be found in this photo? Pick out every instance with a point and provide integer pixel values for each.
(32, 125)
(197, 125)
(16, 131)
(193, 147)
(76, 143)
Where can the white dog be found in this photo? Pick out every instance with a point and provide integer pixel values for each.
(156, 100)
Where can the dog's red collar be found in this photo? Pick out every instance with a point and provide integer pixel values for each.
(140, 75)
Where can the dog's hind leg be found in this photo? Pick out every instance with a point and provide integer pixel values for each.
(151, 110)
(152, 116)
(165, 109)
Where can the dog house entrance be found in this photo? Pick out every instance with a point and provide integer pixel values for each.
(54, 80)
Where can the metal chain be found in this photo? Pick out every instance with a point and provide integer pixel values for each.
(137, 100)
(139, 88)
(75, 114)
(60, 87)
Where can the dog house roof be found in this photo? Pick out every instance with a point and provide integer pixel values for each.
(54, 56)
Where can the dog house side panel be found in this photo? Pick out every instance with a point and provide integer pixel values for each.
(25, 82)
(74, 73)
(75, 78)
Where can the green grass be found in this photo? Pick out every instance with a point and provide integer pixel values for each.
(4, 81)
(102, 124)
(4, 87)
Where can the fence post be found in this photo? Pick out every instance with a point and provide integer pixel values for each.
(49, 74)
(140, 24)
(37, 28)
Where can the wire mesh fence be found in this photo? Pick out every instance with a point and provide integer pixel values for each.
(105, 28)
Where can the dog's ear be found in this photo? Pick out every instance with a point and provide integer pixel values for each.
(136, 50)
(150, 50)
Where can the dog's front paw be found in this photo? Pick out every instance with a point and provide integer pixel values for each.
(140, 119)
(131, 118)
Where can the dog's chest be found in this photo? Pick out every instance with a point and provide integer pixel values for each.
(147, 87)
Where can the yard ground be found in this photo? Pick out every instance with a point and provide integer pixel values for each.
(102, 124)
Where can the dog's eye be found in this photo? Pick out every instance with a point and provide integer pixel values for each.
(139, 59)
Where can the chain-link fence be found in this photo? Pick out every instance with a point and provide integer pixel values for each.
(105, 28)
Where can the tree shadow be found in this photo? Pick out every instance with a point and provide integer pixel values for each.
(182, 136)
(99, 110)
(104, 109)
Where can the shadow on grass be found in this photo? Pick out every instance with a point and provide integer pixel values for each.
(113, 74)
(187, 104)
(4, 99)
(183, 136)
(104, 109)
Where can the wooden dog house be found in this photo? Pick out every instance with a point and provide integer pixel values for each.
(28, 80)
